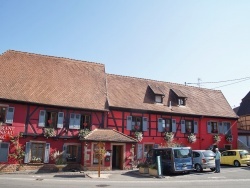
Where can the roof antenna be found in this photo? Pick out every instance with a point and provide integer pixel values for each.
(199, 82)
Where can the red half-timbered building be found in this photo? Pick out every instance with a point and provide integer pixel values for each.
(194, 116)
(48, 104)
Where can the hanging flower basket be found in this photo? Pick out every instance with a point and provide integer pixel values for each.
(139, 136)
(229, 138)
(83, 133)
(191, 138)
(169, 136)
(217, 138)
(49, 132)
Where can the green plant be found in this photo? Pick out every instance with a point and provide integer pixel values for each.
(83, 133)
(18, 153)
(143, 165)
(49, 132)
(153, 166)
(169, 136)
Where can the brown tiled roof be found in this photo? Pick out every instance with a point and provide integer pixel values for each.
(133, 93)
(52, 80)
(108, 135)
(178, 93)
(244, 108)
(156, 90)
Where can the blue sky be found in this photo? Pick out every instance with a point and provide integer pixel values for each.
(167, 40)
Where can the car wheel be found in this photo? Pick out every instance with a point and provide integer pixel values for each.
(213, 169)
(198, 168)
(236, 163)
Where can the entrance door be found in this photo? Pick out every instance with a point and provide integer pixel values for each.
(117, 157)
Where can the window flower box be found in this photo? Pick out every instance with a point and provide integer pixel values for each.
(169, 136)
(83, 133)
(139, 136)
(217, 138)
(191, 138)
(229, 138)
(49, 132)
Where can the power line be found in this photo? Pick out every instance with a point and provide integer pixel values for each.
(199, 83)
(230, 84)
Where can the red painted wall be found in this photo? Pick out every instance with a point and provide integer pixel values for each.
(118, 119)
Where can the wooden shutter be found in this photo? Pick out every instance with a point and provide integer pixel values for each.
(71, 121)
(173, 125)
(42, 118)
(183, 126)
(77, 121)
(221, 130)
(129, 123)
(27, 152)
(196, 127)
(10, 115)
(160, 128)
(60, 120)
(46, 153)
(4, 151)
(64, 154)
(79, 153)
(144, 123)
(209, 128)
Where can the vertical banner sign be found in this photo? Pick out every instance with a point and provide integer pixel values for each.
(159, 166)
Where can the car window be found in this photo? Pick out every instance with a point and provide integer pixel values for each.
(182, 153)
(224, 153)
(231, 153)
(196, 154)
(208, 153)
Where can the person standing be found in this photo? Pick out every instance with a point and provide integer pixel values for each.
(217, 160)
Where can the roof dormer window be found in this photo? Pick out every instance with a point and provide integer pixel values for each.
(158, 98)
(181, 102)
(157, 93)
(180, 96)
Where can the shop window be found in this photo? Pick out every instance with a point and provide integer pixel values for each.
(37, 152)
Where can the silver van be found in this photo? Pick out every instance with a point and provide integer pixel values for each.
(203, 159)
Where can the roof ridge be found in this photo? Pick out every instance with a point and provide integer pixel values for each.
(160, 81)
(124, 135)
(54, 57)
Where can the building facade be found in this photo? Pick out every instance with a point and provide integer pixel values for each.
(73, 109)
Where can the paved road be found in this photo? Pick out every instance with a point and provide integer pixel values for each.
(229, 177)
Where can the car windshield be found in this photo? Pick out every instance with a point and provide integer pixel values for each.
(244, 153)
(182, 153)
(208, 153)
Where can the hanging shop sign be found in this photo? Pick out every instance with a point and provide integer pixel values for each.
(6, 132)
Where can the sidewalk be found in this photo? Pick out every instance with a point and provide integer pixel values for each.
(114, 174)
